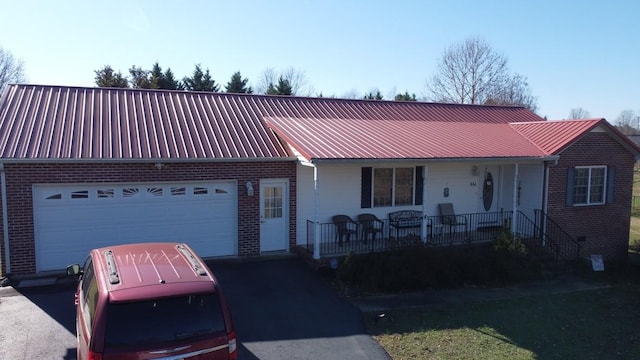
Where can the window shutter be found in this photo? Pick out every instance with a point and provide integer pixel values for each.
(570, 179)
(611, 184)
(419, 183)
(365, 190)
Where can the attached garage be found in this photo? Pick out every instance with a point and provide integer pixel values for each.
(71, 219)
(82, 168)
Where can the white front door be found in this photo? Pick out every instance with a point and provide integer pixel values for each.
(274, 205)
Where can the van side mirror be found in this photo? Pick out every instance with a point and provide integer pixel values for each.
(74, 270)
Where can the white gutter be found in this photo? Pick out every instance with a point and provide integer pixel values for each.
(316, 221)
(5, 220)
(316, 196)
(522, 159)
(514, 218)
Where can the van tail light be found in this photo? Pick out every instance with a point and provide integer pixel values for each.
(233, 346)
(94, 356)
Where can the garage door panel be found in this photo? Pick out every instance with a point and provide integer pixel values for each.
(202, 215)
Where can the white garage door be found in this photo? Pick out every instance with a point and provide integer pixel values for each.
(70, 220)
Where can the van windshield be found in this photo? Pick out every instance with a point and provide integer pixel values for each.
(162, 320)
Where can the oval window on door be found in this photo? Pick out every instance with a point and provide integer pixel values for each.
(487, 191)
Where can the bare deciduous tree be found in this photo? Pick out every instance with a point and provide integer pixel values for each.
(468, 72)
(627, 121)
(579, 113)
(11, 69)
(627, 118)
(472, 72)
(513, 91)
(297, 79)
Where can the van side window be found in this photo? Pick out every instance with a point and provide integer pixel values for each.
(89, 293)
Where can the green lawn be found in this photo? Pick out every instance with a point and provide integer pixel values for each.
(597, 324)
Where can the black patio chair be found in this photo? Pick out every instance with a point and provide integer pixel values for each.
(370, 225)
(345, 227)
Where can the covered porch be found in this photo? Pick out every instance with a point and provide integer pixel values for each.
(542, 237)
(484, 197)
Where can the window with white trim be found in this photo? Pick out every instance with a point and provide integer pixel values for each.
(589, 184)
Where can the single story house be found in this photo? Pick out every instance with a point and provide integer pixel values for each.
(245, 175)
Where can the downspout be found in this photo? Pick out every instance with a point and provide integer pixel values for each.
(545, 191)
(316, 221)
(5, 221)
(545, 202)
(514, 218)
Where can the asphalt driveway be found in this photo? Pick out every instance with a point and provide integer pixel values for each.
(281, 310)
(37, 323)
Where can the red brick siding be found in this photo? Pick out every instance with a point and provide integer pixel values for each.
(605, 227)
(21, 177)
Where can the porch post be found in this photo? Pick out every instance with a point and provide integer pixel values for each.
(514, 218)
(316, 221)
(424, 233)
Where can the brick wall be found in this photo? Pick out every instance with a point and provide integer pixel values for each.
(21, 177)
(605, 227)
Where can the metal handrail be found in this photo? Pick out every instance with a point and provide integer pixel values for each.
(543, 237)
(568, 246)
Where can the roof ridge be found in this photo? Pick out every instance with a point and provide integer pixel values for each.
(299, 97)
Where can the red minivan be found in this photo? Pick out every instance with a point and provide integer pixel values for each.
(150, 301)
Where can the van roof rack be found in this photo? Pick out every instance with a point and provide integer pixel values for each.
(192, 260)
(114, 278)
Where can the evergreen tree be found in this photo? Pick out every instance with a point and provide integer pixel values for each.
(283, 87)
(139, 78)
(238, 85)
(159, 80)
(271, 90)
(200, 81)
(107, 77)
(405, 97)
(156, 77)
(372, 96)
(170, 83)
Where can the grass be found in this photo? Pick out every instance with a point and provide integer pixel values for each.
(595, 324)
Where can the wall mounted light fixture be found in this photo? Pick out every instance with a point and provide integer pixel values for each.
(159, 166)
(249, 188)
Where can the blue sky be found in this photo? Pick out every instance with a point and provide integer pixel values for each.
(574, 53)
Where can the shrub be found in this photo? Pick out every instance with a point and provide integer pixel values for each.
(420, 267)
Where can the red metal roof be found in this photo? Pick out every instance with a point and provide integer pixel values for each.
(410, 139)
(553, 136)
(54, 122)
